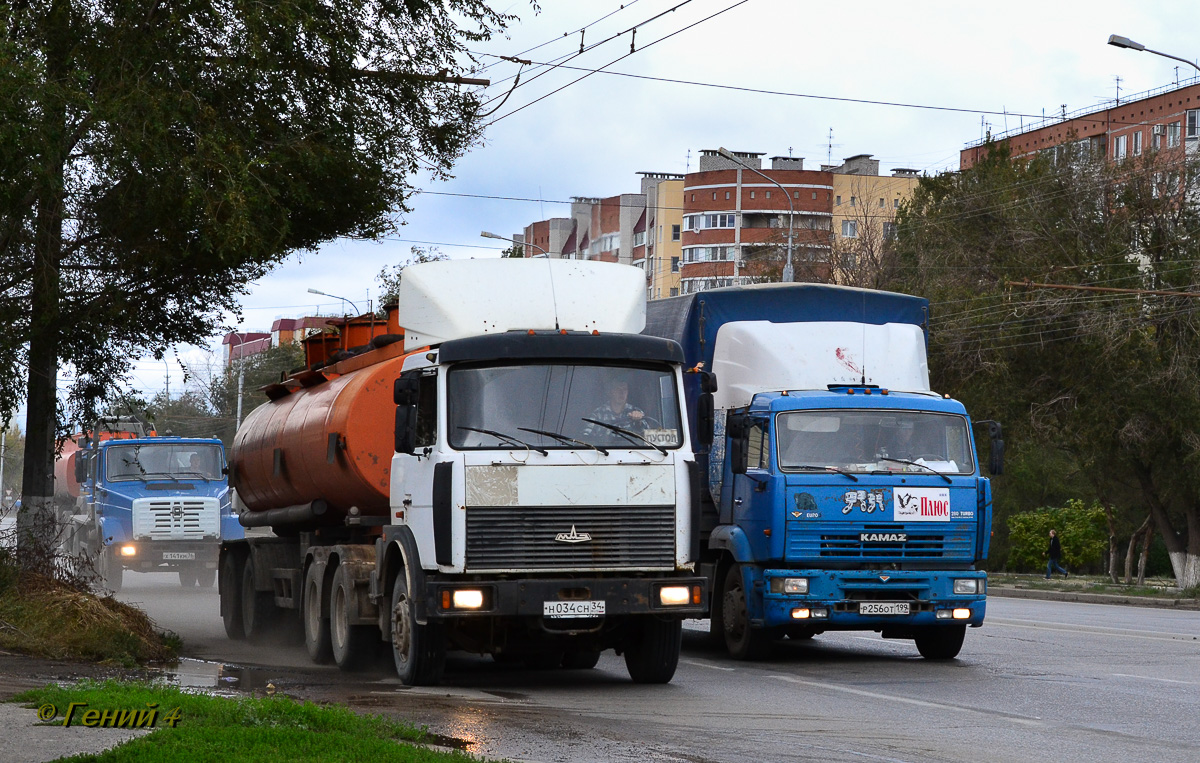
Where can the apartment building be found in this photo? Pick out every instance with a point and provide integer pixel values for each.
(865, 204)
(664, 233)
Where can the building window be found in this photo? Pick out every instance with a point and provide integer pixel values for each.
(1119, 146)
(853, 201)
(881, 203)
(1193, 124)
(674, 266)
(896, 203)
(814, 195)
(1173, 135)
(674, 291)
(1137, 143)
(768, 194)
(849, 229)
(889, 231)
(838, 200)
(727, 196)
(1156, 137)
(751, 195)
(693, 197)
(714, 195)
(639, 238)
(674, 232)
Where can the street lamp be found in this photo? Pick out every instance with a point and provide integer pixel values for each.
(787, 268)
(1118, 41)
(486, 234)
(334, 296)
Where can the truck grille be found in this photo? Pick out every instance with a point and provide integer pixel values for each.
(176, 518)
(570, 538)
(917, 546)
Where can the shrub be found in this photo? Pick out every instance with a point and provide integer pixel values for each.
(1082, 530)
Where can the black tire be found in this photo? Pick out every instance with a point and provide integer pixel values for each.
(581, 659)
(315, 616)
(352, 646)
(419, 651)
(742, 641)
(112, 574)
(205, 578)
(942, 643)
(258, 607)
(654, 657)
(187, 578)
(230, 581)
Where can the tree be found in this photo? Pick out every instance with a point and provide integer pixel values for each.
(389, 278)
(13, 456)
(156, 157)
(1100, 391)
(256, 371)
(516, 250)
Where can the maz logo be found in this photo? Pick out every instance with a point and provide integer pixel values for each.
(573, 537)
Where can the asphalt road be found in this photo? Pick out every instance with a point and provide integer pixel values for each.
(1041, 680)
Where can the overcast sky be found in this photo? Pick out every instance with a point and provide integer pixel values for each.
(1018, 61)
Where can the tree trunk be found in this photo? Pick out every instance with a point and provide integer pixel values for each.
(1142, 557)
(1112, 543)
(1185, 558)
(1133, 539)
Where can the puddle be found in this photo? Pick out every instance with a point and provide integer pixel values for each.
(217, 677)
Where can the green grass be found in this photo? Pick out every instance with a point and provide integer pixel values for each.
(250, 729)
(1090, 584)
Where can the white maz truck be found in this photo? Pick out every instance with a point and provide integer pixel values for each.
(503, 468)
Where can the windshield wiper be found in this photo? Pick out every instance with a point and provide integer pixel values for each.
(825, 469)
(914, 463)
(564, 438)
(507, 439)
(627, 434)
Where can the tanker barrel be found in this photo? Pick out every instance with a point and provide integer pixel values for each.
(304, 514)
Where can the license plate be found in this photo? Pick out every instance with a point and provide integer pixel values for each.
(883, 608)
(179, 556)
(573, 608)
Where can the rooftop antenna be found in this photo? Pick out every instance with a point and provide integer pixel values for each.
(688, 164)
(1117, 77)
(829, 146)
(1176, 76)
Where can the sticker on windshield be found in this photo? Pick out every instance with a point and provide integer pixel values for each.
(929, 504)
(662, 437)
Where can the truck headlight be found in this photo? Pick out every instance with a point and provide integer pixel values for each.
(468, 599)
(129, 550)
(674, 595)
(795, 585)
(966, 586)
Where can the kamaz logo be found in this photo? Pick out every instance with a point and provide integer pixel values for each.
(882, 537)
(573, 537)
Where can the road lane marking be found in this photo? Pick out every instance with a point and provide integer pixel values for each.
(706, 665)
(1094, 630)
(1152, 678)
(910, 701)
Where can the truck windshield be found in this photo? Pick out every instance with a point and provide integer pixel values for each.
(563, 406)
(163, 461)
(874, 441)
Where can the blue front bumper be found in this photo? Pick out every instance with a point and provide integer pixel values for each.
(834, 598)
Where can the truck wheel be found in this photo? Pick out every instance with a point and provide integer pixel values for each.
(187, 578)
(316, 625)
(419, 651)
(258, 607)
(742, 641)
(653, 659)
(205, 578)
(352, 646)
(111, 573)
(582, 659)
(941, 643)
(231, 596)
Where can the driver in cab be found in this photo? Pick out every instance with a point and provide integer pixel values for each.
(617, 410)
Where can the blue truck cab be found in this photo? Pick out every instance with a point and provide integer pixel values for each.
(153, 504)
(842, 493)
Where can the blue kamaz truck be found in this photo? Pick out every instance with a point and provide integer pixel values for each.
(152, 504)
(841, 492)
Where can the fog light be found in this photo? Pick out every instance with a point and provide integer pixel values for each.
(801, 614)
(128, 550)
(966, 586)
(820, 612)
(962, 613)
(944, 614)
(674, 595)
(795, 585)
(468, 599)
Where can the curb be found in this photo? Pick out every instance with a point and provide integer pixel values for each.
(1094, 598)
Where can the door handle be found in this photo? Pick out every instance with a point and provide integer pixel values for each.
(737, 501)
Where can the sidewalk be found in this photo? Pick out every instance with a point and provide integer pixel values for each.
(1014, 587)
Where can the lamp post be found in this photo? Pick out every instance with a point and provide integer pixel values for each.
(486, 234)
(334, 296)
(787, 268)
(1118, 41)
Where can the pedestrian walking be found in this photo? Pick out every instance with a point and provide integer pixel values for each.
(1053, 554)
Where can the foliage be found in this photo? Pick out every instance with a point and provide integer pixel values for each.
(389, 278)
(1104, 386)
(516, 250)
(1081, 530)
(248, 729)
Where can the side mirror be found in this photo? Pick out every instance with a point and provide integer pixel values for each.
(737, 428)
(80, 467)
(406, 428)
(404, 391)
(996, 460)
(708, 382)
(705, 419)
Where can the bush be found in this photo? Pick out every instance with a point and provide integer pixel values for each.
(1082, 530)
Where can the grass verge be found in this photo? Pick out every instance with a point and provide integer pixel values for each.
(250, 729)
(1159, 589)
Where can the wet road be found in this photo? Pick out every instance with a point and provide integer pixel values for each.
(1041, 680)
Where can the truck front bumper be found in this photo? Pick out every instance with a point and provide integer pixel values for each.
(857, 599)
(150, 555)
(578, 598)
